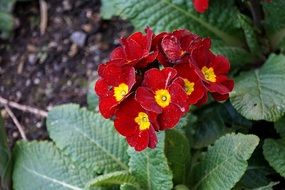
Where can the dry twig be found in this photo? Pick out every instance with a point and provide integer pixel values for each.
(24, 108)
(17, 123)
(44, 16)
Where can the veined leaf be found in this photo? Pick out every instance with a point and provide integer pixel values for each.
(114, 178)
(225, 162)
(275, 21)
(274, 152)
(250, 34)
(92, 98)
(89, 139)
(258, 94)
(257, 172)
(177, 150)
(267, 187)
(219, 22)
(5, 159)
(150, 167)
(40, 165)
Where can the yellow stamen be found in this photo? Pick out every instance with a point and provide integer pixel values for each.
(209, 74)
(188, 86)
(143, 121)
(121, 91)
(162, 98)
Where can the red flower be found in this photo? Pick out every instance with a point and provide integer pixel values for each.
(191, 82)
(136, 124)
(213, 72)
(174, 47)
(201, 5)
(161, 94)
(135, 50)
(113, 87)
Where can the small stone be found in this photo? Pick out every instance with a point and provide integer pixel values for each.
(79, 38)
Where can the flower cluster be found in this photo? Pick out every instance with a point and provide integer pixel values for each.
(151, 81)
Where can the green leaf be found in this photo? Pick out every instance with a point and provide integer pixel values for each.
(209, 127)
(257, 172)
(40, 165)
(275, 21)
(274, 152)
(90, 140)
(177, 150)
(150, 167)
(225, 162)
(250, 34)
(238, 56)
(258, 94)
(92, 98)
(280, 127)
(219, 22)
(5, 159)
(6, 24)
(267, 187)
(6, 5)
(114, 178)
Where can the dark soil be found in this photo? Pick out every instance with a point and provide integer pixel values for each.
(47, 70)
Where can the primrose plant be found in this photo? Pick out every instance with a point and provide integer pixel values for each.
(196, 101)
(152, 80)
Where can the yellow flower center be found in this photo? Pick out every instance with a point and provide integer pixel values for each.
(209, 74)
(188, 86)
(162, 98)
(143, 121)
(121, 91)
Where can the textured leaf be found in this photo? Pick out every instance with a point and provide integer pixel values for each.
(92, 98)
(177, 150)
(225, 162)
(219, 22)
(257, 172)
(258, 94)
(274, 152)
(114, 178)
(208, 128)
(40, 165)
(5, 158)
(275, 21)
(87, 138)
(150, 167)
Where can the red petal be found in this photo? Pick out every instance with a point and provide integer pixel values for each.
(220, 97)
(169, 117)
(171, 48)
(203, 100)
(101, 87)
(223, 87)
(125, 117)
(139, 141)
(117, 53)
(156, 79)
(201, 5)
(221, 65)
(107, 106)
(115, 75)
(178, 96)
(188, 72)
(146, 98)
(152, 138)
(132, 49)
